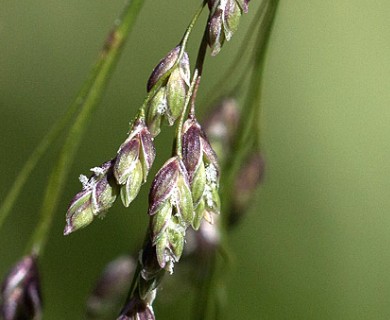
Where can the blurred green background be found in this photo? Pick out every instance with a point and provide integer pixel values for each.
(316, 243)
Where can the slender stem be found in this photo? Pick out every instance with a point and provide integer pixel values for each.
(137, 272)
(246, 138)
(52, 135)
(135, 280)
(253, 103)
(237, 63)
(191, 95)
(179, 128)
(199, 66)
(32, 161)
(183, 44)
(207, 306)
(202, 305)
(186, 35)
(88, 98)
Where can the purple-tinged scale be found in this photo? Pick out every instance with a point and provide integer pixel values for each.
(20, 293)
(163, 184)
(134, 160)
(163, 67)
(137, 309)
(97, 196)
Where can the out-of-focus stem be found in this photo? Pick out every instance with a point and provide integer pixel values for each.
(207, 305)
(220, 87)
(88, 99)
(32, 161)
(248, 134)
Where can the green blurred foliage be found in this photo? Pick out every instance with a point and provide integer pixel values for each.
(316, 243)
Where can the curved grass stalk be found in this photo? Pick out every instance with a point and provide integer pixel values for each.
(189, 100)
(191, 93)
(219, 87)
(32, 161)
(88, 99)
(208, 306)
(248, 135)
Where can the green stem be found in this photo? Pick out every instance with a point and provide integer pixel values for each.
(191, 95)
(248, 135)
(195, 18)
(88, 98)
(32, 161)
(183, 44)
(253, 98)
(207, 305)
(137, 272)
(199, 66)
(220, 87)
(179, 128)
(135, 281)
(213, 268)
(202, 305)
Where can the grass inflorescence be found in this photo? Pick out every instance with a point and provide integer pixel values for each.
(185, 206)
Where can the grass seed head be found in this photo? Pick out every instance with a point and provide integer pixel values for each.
(98, 195)
(20, 293)
(173, 72)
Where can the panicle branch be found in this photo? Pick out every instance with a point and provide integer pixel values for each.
(184, 194)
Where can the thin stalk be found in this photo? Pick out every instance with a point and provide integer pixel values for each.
(51, 136)
(199, 66)
(231, 72)
(255, 89)
(191, 95)
(134, 282)
(88, 99)
(32, 161)
(184, 40)
(179, 128)
(137, 272)
(207, 306)
(253, 99)
(202, 305)
(246, 137)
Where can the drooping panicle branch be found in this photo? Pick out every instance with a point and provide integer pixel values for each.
(88, 97)
(202, 166)
(185, 192)
(98, 195)
(223, 21)
(168, 101)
